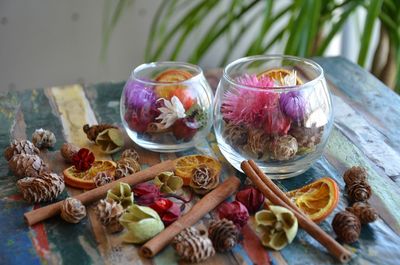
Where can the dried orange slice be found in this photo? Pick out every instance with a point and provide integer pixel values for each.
(278, 74)
(84, 179)
(171, 76)
(184, 166)
(317, 199)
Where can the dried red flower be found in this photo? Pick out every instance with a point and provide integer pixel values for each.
(167, 209)
(234, 211)
(83, 160)
(250, 197)
(146, 193)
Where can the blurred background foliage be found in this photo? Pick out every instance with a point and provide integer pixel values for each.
(304, 28)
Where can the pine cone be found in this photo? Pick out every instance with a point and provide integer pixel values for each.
(283, 148)
(126, 167)
(93, 131)
(45, 187)
(192, 247)
(364, 212)
(306, 137)
(203, 179)
(72, 210)
(43, 138)
(347, 226)
(102, 178)
(24, 165)
(20, 147)
(355, 174)
(130, 153)
(359, 191)
(68, 151)
(109, 213)
(236, 134)
(223, 234)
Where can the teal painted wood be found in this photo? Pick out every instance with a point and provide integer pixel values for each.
(357, 124)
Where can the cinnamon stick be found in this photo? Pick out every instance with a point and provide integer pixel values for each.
(201, 208)
(277, 197)
(46, 212)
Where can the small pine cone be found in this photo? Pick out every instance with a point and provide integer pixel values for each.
(203, 179)
(45, 187)
(72, 210)
(43, 138)
(359, 191)
(20, 147)
(102, 178)
(24, 165)
(224, 234)
(131, 153)
(109, 212)
(93, 131)
(364, 212)
(126, 167)
(347, 226)
(191, 247)
(68, 151)
(354, 174)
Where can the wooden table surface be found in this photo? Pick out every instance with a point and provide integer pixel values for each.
(366, 132)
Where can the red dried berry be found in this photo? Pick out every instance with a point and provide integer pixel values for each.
(83, 160)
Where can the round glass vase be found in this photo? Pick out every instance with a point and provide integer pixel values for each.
(283, 128)
(166, 106)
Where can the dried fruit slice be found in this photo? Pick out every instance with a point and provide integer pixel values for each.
(317, 199)
(172, 76)
(184, 166)
(278, 74)
(85, 179)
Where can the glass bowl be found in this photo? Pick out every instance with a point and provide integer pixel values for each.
(167, 106)
(275, 110)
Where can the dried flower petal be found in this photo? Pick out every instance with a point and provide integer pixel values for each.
(250, 197)
(167, 209)
(146, 193)
(171, 111)
(293, 104)
(83, 160)
(234, 211)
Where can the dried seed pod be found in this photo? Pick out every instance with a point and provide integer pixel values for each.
(93, 131)
(109, 212)
(224, 234)
(24, 165)
(192, 247)
(72, 210)
(307, 138)
(354, 174)
(126, 167)
(203, 180)
(45, 187)
(364, 212)
(20, 147)
(43, 138)
(110, 140)
(347, 226)
(257, 144)
(131, 153)
(68, 151)
(359, 191)
(103, 178)
(236, 134)
(283, 148)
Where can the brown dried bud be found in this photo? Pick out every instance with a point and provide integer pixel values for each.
(364, 212)
(43, 138)
(72, 210)
(236, 134)
(347, 226)
(20, 147)
(224, 234)
(102, 178)
(68, 151)
(354, 174)
(203, 179)
(126, 167)
(130, 153)
(359, 191)
(93, 131)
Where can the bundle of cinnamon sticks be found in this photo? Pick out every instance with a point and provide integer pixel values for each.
(278, 197)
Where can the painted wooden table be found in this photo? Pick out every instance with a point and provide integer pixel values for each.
(367, 120)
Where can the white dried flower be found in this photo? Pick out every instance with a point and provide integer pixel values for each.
(172, 111)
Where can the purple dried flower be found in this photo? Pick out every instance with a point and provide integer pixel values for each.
(293, 104)
(138, 95)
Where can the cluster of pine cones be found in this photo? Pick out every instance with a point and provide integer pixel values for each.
(347, 224)
(193, 245)
(38, 183)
